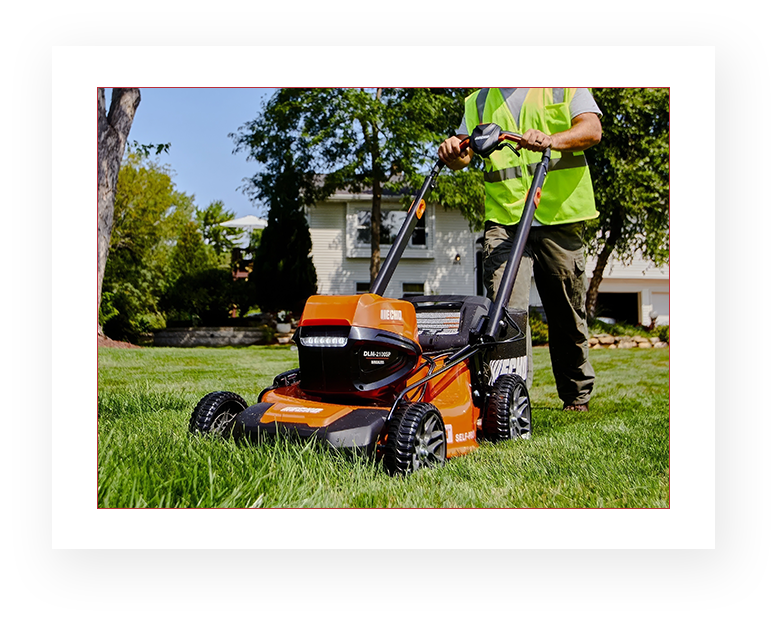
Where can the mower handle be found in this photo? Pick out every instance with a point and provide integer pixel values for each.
(504, 136)
(489, 137)
(484, 140)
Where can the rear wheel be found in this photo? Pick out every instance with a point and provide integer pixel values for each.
(216, 413)
(508, 412)
(416, 439)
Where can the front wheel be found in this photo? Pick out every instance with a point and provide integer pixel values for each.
(508, 412)
(416, 439)
(216, 413)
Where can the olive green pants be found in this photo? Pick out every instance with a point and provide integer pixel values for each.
(555, 257)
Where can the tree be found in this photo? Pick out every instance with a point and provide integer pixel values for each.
(191, 254)
(149, 215)
(630, 171)
(353, 139)
(113, 129)
(283, 274)
(220, 238)
(200, 290)
(148, 209)
(202, 297)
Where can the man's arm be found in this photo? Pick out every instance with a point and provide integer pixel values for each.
(586, 131)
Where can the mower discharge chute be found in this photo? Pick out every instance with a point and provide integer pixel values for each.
(411, 381)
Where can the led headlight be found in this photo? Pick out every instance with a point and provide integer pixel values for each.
(323, 341)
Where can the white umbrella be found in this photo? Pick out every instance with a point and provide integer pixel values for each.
(248, 222)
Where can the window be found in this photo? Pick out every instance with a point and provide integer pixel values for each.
(410, 288)
(391, 222)
(357, 241)
(362, 288)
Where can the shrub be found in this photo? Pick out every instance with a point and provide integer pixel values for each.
(624, 329)
(203, 298)
(539, 332)
(126, 313)
(662, 332)
(600, 327)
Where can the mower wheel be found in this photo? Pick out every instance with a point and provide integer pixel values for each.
(508, 412)
(216, 413)
(416, 439)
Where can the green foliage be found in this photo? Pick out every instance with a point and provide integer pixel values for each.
(190, 254)
(283, 273)
(221, 239)
(160, 267)
(146, 149)
(539, 331)
(630, 172)
(126, 313)
(462, 190)
(148, 216)
(662, 332)
(624, 329)
(353, 139)
(616, 329)
(200, 291)
(147, 208)
(201, 297)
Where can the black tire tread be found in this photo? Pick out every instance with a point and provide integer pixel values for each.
(399, 448)
(496, 421)
(210, 407)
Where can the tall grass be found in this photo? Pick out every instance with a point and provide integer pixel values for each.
(616, 455)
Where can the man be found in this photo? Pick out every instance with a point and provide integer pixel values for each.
(567, 121)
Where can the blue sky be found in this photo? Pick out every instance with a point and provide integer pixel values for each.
(197, 122)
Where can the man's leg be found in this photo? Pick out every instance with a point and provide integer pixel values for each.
(559, 270)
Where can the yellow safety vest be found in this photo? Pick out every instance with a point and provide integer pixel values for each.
(567, 195)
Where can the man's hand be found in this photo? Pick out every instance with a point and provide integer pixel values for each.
(449, 152)
(535, 141)
(586, 131)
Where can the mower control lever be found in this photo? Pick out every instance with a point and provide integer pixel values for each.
(509, 145)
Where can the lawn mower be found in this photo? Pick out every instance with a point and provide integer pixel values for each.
(410, 381)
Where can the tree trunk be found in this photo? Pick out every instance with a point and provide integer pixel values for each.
(375, 231)
(596, 279)
(375, 209)
(113, 132)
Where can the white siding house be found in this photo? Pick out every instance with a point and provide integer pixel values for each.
(440, 260)
(641, 286)
(443, 259)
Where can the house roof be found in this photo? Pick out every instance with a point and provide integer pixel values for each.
(367, 192)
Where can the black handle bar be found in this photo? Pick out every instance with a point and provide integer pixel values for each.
(484, 140)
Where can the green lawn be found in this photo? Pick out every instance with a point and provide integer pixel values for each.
(617, 455)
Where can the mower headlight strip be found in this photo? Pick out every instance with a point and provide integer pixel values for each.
(323, 341)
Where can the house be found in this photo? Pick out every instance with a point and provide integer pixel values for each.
(636, 293)
(444, 257)
(440, 258)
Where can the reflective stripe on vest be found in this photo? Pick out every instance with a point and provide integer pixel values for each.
(568, 160)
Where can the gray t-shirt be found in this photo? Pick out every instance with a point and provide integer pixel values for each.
(582, 102)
